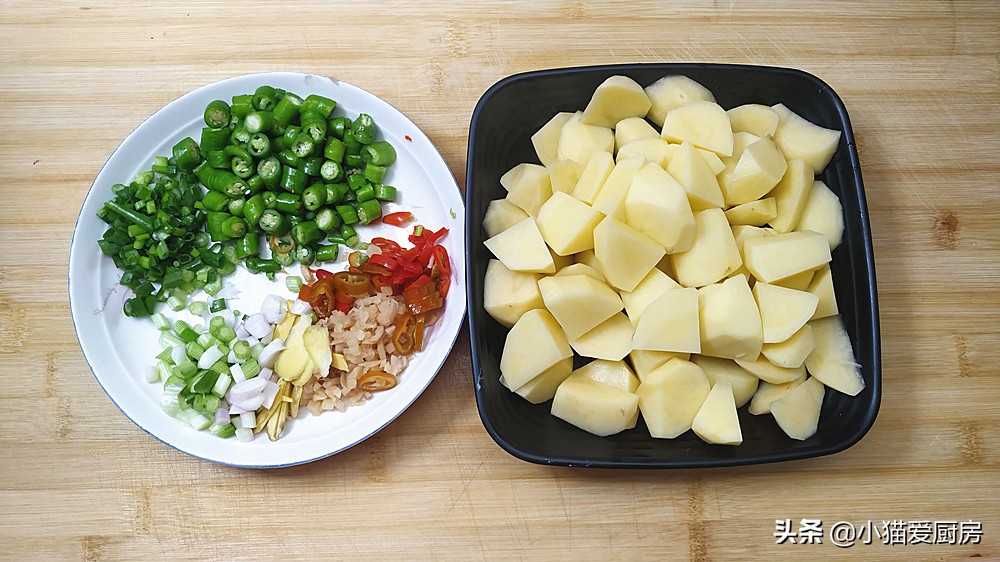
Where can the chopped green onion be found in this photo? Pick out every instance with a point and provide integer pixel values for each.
(160, 321)
(197, 308)
(293, 283)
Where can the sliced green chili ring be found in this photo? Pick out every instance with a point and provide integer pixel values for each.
(258, 121)
(356, 181)
(348, 233)
(218, 159)
(259, 145)
(269, 170)
(242, 167)
(293, 179)
(303, 145)
(260, 265)
(283, 259)
(364, 129)
(214, 225)
(366, 193)
(369, 210)
(314, 197)
(186, 154)
(217, 114)
(234, 227)
(338, 126)
(239, 136)
(347, 214)
(249, 245)
(305, 255)
(288, 203)
(351, 144)
(312, 165)
(220, 180)
(374, 173)
(327, 252)
(313, 124)
(327, 219)
(236, 205)
(321, 104)
(242, 104)
(214, 201)
(264, 98)
(213, 139)
(331, 171)
(253, 209)
(287, 109)
(353, 161)
(288, 158)
(273, 222)
(289, 136)
(380, 153)
(255, 184)
(334, 150)
(269, 198)
(385, 192)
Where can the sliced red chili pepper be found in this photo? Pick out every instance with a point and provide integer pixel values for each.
(397, 219)
(354, 284)
(433, 236)
(418, 333)
(420, 282)
(403, 336)
(386, 245)
(382, 260)
(374, 269)
(419, 304)
(344, 307)
(320, 295)
(321, 273)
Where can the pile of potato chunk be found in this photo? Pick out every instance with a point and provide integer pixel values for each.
(685, 249)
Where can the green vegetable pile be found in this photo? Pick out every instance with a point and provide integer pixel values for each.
(272, 164)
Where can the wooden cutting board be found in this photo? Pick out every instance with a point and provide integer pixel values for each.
(921, 82)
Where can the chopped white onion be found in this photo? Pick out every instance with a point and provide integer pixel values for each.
(210, 356)
(273, 308)
(178, 354)
(270, 352)
(237, 372)
(230, 317)
(252, 403)
(267, 339)
(151, 374)
(235, 410)
(270, 392)
(248, 419)
(241, 390)
(244, 434)
(231, 358)
(227, 292)
(257, 325)
(266, 374)
(300, 307)
(241, 332)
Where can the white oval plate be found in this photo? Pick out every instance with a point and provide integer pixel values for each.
(119, 348)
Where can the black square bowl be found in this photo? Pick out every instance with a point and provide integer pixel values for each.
(499, 138)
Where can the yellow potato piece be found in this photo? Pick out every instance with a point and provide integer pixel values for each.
(617, 98)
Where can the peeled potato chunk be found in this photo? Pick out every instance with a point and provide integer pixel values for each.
(617, 98)
(595, 407)
(567, 224)
(611, 339)
(670, 323)
(612, 373)
(564, 174)
(581, 269)
(823, 213)
(657, 206)
(500, 215)
(753, 118)
(646, 361)
(792, 352)
(611, 199)
(535, 343)
(797, 413)
(718, 370)
(578, 302)
(773, 258)
(754, 213)
(632, 129)
(579, 141)
(655, 150)
(671, 92)
(767, 393)
(783, 311)
(713, 254)
(729, 321)
(832, 361)
(507, 294)
(703, 124)
(759, 169)
(799, 138)
(822, 286)
(652, 286)
(670, 397)
(543, 386)
(766, 371)
(690, 170)
(716, 422)
(595, 173)
(791, 195)
(625, 255)
(528, 186)
(521, 248)
(546, 139)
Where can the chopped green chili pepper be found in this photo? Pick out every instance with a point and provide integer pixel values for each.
(369, 210)
(249, 245)
(218, 159)
(293, 179)
(236, 205)
(242, 105)
(288, 203)
(220, 180)
(213, 224)
(269, 170)
(327, 219)
(327, 252)
(347, 214)
(353, 161)
(269, 198)
(255, 264)
(273, 222)
(306, 233)
(264, 97)
(287, 109)
(289, 136)
(217, 114)
(288, 158)
(352, 146)
(374, 173)
(213, 201)
(338, 126)
(314, 196)
(239, 135)
(385, 192)
(331, 171)
(364, 129)
(380, 153)
(312, 165)
(258, 121)
(213, 139)
(255, 184)
(313, 124)
(303, 145)
(321, 104)
(253, 209)
(259, 145)
(305, 255)
(186, 154)
(365, 193)
(234, 227)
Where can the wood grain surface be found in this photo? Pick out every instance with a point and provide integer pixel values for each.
(79, 481)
